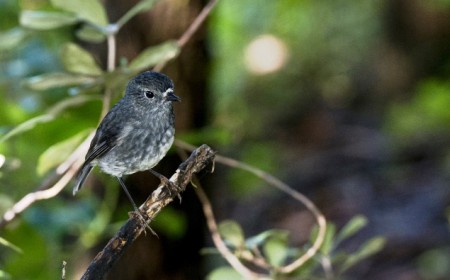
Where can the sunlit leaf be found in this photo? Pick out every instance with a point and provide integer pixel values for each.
(11, 38)
(88, 10)
(352, 227)
(232, 233)
(224, 273)
(40, 20)
(27, 125)
(8, 244)
(154, 55)
(90, 34)
(59, 152)
(276, 250)
(54, 80)
(4, 275)
(77, 60)
(140, 7)
(369, 248)
(49, 116)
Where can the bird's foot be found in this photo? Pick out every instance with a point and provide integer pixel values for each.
(137, 214)
(168, 184)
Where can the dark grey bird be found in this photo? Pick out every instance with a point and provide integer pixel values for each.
(136, 133)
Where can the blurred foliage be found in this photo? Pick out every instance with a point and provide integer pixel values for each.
(434, 264)
(425, 114)
(317, 48)
(47, 82)
(272, 249)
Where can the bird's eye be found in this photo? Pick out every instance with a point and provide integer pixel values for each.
(149, 94)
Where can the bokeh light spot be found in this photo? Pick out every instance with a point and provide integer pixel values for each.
(265, 54)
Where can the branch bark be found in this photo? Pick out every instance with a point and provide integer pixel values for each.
(200, 158)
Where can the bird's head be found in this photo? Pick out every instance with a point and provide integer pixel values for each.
(151, 89)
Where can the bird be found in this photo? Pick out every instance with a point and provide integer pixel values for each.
(136, 133)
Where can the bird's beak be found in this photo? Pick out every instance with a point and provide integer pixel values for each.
(172, 97)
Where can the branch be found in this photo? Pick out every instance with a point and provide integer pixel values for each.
(200, 159)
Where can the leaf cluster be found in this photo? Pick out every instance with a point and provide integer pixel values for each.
(270, 250)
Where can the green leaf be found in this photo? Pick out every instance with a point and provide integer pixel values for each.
(27, 125)
(352, 227)
(8, 244)
(369, 248)
(434, 263)
(276, 250)
(140, 7)
(232, 233)
(40, 20)
(154, 55)
(209, 251)
(90, 34)
(68, 102)
(54, 80)
(59, 152)
(261, 238)
(328, 242)
(49, 116)
(11, 38)
(224, 273)
(77, 60)
(89, 10)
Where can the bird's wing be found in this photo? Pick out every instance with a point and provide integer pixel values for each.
(104, 140)
(102, 143)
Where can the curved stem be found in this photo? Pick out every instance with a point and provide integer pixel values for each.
(319, 217)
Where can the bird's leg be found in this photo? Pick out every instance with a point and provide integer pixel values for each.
(136, 209)
(169, 184)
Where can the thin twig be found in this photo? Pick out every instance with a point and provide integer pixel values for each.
(327, 267)
(200, 159)
(218, 241)
(63, 270)
(187, 35)
(320, 218)
(65, 172)
(195, 25)
(111, 60)
(110, 66)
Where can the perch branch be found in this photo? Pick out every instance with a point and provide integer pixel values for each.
(199, 159)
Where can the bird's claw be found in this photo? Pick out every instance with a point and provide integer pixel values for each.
(137, 214)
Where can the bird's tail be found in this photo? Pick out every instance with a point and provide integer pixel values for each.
(81, 177)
